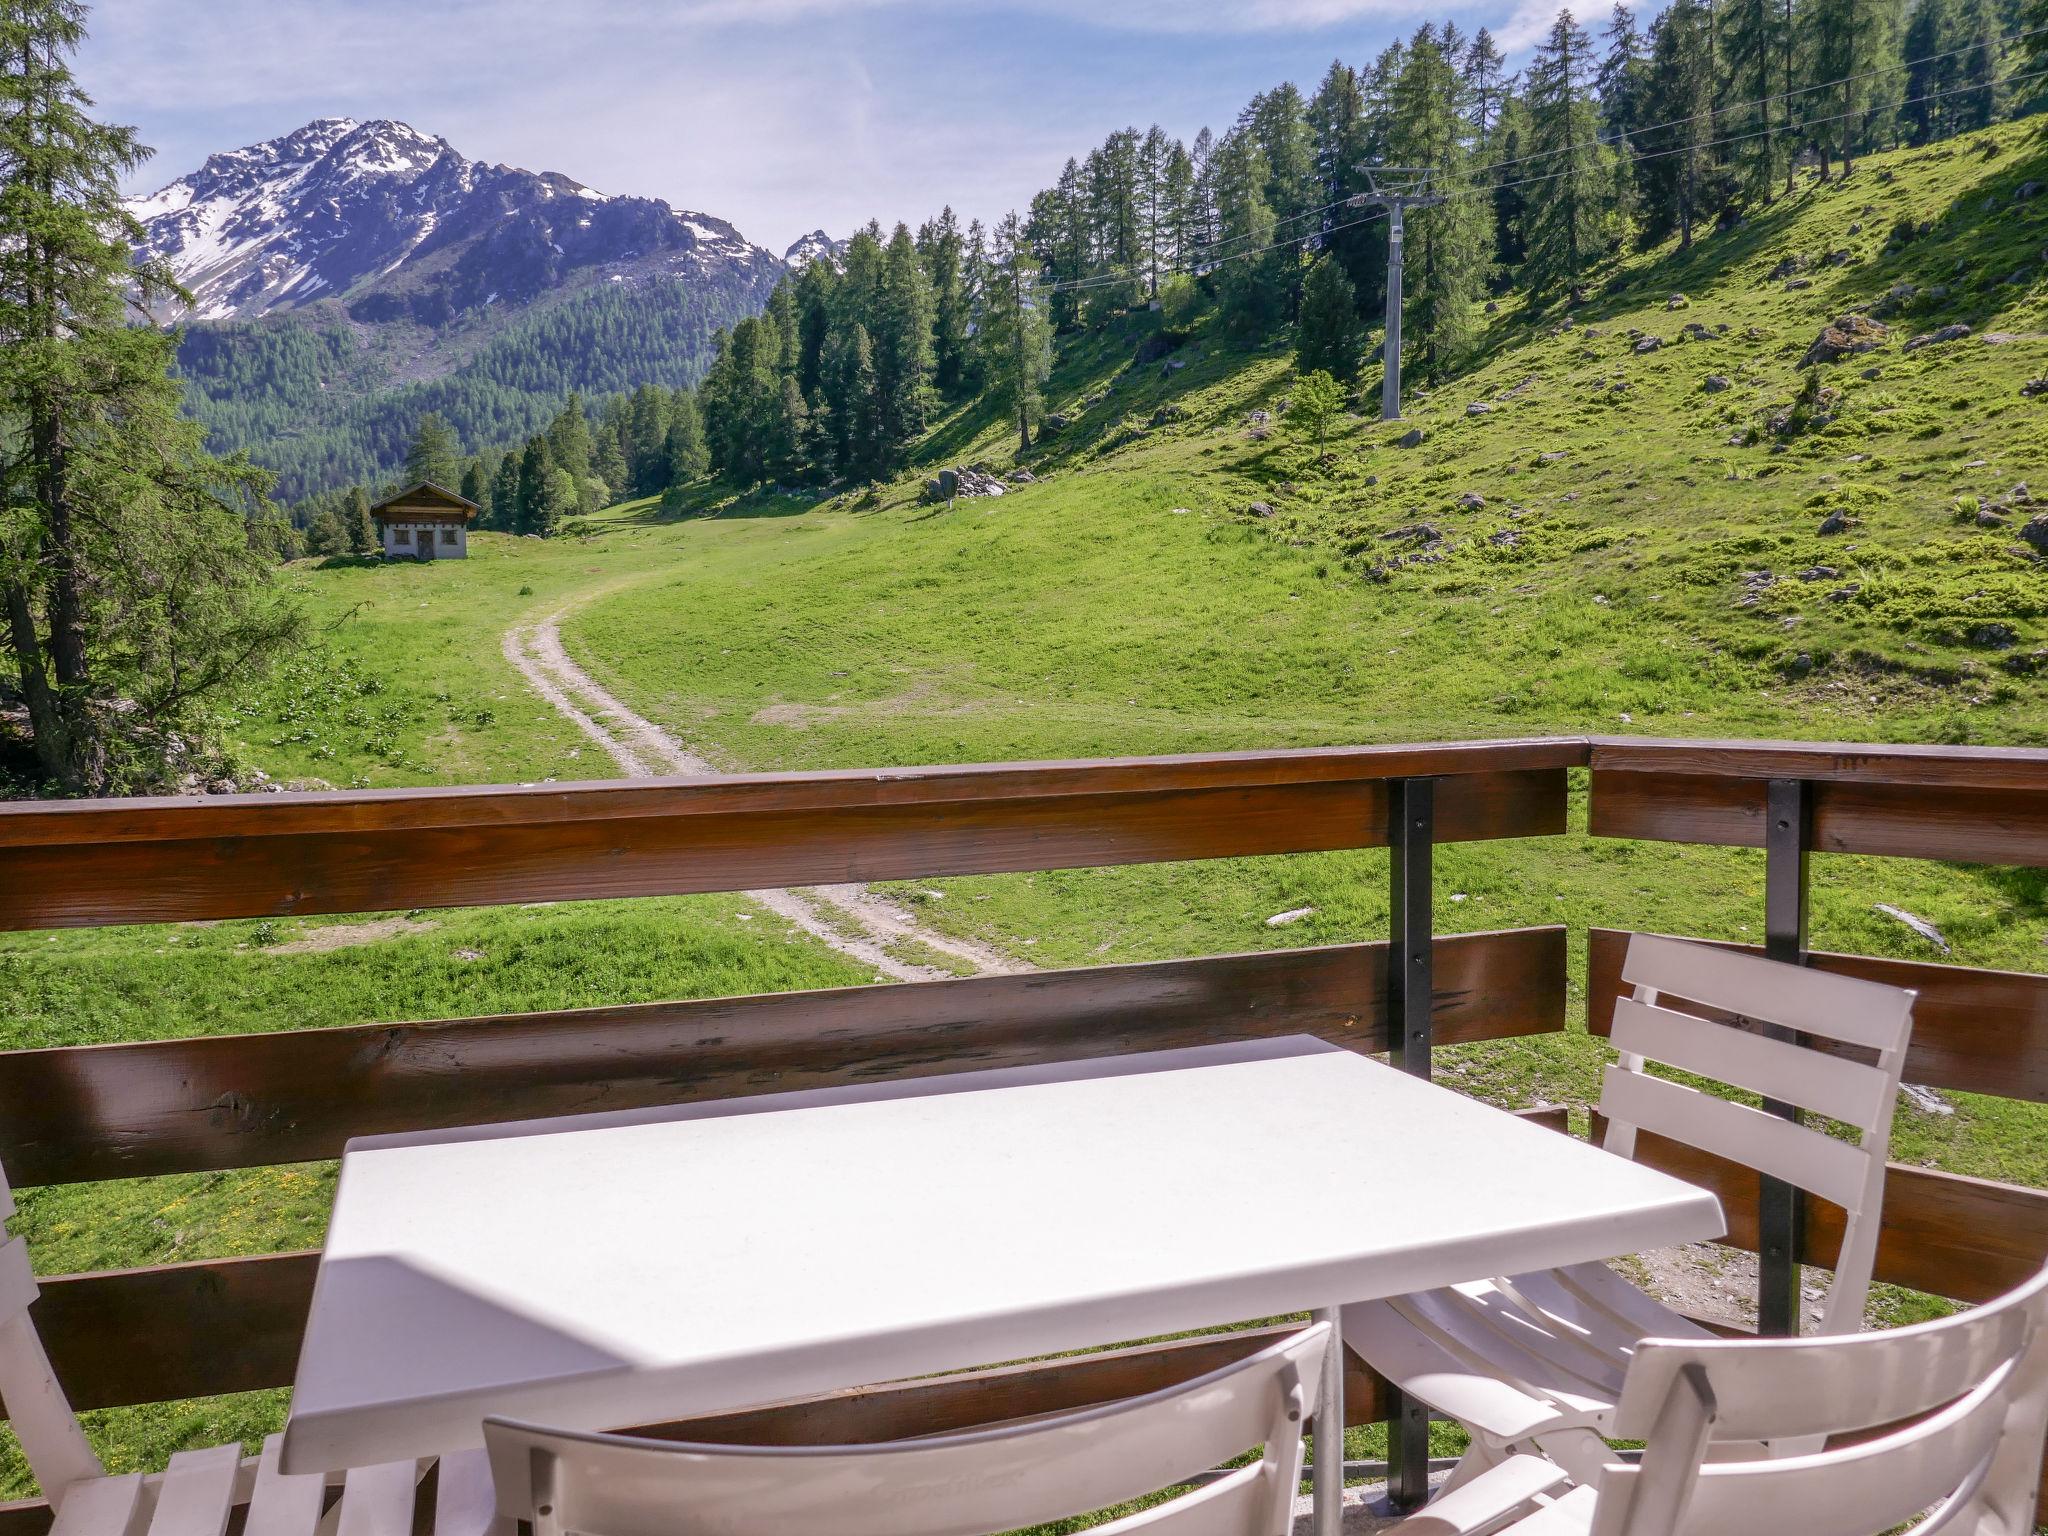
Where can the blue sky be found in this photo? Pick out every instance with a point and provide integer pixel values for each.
(781, 115)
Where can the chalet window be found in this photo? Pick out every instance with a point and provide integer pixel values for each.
(447, 535)
(403, 536)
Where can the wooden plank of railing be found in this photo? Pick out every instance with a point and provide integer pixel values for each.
(1971, 1239)
(1925, 767)
(109, 862)
(1986, 824)
(71, 1114)
(128, 1336)
(1979, 1031)
(177, 1330)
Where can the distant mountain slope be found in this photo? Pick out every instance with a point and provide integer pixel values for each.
(347, 276)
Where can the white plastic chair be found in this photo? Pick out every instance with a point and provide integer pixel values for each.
(970, 1484)
(1538, 1360)
(1958, 1407)
(195, 1494)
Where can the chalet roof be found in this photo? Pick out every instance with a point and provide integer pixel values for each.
(424, 494)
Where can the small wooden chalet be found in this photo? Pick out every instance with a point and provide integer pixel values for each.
(424, 522)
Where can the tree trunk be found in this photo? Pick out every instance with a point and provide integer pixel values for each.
(56, 745)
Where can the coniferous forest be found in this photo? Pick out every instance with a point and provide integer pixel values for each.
(1543, 176)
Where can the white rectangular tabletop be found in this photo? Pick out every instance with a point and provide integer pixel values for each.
(625, 1269)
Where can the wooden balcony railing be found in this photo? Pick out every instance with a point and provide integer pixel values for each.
(74, 1114)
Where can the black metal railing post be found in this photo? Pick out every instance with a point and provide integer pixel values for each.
(1788, 828)
(1411, 988)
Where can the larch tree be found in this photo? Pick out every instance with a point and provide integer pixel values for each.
(1015, 337)
(943, 250)
(1621, 81)
(1676, 170)
(1250, 280)
(1484, 69)
(1570, 210)
(132, 593)
(1750, 52)
(434, 454)
(1448, 245)
(1848, 43)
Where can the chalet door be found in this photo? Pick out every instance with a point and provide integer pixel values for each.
(424, 538)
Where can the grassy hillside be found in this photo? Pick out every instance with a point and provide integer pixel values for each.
(1596, 550)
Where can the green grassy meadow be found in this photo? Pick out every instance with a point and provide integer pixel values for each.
(1598, 554)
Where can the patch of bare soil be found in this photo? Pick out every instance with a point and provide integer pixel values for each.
(318, 941)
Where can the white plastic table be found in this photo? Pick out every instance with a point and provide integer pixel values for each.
(624, 1269)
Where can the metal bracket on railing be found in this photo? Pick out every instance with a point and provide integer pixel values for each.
(1411, 990)
(1788, 833)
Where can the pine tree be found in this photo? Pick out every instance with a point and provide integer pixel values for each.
(503, 516)
(1329, 336)
(360, 527)
(1277, 123)
(1979, 99)
(1015, 338)
(1750, 50)
(1155, 150)
(1249, 280)
(434, 455)
(1447, 245)
(1676, 181)
(1928, 74)
(1486, 83)
(475, 482)
(536, 474)
(1340, 129)
(683, 452)
(943, 251)
(1512, 139)
(128, 570)
(327, 535)
(1570, 215)
(569, 439)
(1181, 238)
(1621, 81)
(1848, 43)
(901, 334)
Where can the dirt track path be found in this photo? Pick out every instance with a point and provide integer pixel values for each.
(851, 919)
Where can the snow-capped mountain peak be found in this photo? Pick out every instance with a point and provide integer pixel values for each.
(395, 223)
(815, 246)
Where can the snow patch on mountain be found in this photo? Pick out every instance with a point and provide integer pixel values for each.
(815, 246)
(396, 223)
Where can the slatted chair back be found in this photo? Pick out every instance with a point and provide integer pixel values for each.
(1960, 1407)
(1829, 1010)
(953, 1485)
(37, 1409)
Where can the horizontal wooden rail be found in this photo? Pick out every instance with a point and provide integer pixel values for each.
(1970, 1239)
(1963, 804)
(1978, 1031)
(92, 863)
(78, 1113)
(1896, 766)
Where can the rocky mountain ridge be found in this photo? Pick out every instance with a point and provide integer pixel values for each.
(394, 223)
